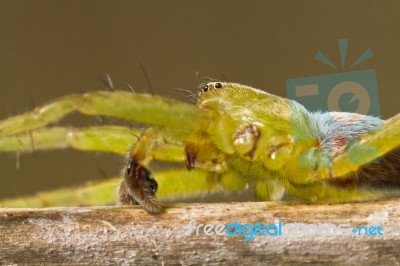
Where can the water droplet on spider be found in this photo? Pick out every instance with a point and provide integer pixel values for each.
(273, 155)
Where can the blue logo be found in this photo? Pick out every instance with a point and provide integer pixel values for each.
(344, 91)
(350, 91)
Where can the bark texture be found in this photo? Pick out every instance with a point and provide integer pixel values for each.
(129, 235)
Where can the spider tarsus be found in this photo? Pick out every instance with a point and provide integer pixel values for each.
(138, 187)
(149, 202)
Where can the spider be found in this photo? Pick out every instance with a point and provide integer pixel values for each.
(234, 136)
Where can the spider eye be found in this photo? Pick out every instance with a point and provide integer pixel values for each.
(218, 85)
(205, 88)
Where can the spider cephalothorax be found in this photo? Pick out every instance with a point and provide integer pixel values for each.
(235, 136)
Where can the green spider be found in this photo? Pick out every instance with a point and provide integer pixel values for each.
(234, 136)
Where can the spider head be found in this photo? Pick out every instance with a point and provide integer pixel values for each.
(210, 87)
(213, 91)
(210, 93)
(214, 95)
(223, 89)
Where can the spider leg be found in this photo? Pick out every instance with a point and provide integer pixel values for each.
(156, 143)
(163, 144)
(89, 194)
(181, 183)
(143, 108)
(113, 139)
(325, 192)
(174, 184)
(141, 187)
(367, 147)
(138, 185)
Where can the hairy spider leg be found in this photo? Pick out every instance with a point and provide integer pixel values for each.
(324, 192)
(112, 139)
(357, 153)
(142, 108)
(157, 143)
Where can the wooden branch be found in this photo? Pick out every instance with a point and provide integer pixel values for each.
(127, 235)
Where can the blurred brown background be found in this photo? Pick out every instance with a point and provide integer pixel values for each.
(52, 48)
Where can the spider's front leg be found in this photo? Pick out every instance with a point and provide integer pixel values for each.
(138, 185)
